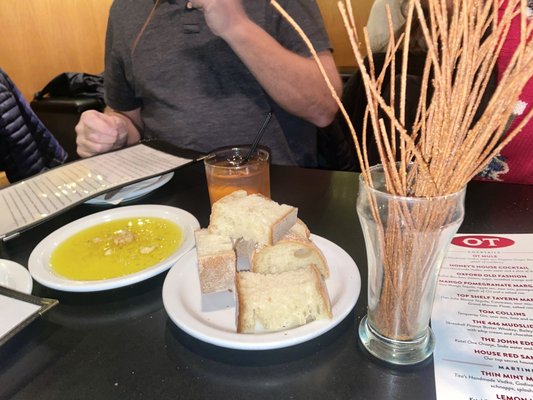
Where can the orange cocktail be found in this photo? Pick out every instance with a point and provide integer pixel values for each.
(226, 173)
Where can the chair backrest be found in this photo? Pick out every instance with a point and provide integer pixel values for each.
(27, 147)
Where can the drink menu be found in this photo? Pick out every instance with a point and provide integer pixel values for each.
(483, 319)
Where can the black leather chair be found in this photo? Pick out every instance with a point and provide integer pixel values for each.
(61, 114)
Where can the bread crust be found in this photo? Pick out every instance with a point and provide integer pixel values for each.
(217, 273)
(240, 306)
(216, 265)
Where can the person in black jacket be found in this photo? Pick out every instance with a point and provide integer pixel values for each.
(26, 146)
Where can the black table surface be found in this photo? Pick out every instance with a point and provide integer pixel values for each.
(121, 344)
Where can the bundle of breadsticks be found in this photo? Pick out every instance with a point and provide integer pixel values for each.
(451, 139)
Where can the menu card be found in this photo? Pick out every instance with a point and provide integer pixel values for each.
(483, 319)
(30, 201)
(17, 310)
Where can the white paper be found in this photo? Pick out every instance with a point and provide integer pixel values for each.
(13, 312)
(36, 198)
(483, 319)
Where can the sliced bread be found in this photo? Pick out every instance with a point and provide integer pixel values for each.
(293, 251)
(216, 261)
(273, 302)
(251, 217)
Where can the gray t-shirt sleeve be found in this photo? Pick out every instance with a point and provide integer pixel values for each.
(119, 93)
(307, 15)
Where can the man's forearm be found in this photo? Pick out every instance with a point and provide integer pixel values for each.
(293, 81)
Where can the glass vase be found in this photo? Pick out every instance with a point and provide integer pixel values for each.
(406, 241)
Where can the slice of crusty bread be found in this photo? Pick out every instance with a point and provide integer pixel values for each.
(293, 251)
(273, 302)
(216, 261)
(251, 217)
(246, 249)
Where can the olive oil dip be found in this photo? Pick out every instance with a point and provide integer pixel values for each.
(116, 248)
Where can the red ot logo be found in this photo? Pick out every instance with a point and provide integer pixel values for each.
(482, 242)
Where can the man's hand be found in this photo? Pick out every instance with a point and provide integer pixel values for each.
(221, 15)
(98, 132)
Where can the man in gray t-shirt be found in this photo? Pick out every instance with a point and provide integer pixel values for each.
(205, 74)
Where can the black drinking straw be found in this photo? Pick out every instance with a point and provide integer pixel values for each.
(257, 139)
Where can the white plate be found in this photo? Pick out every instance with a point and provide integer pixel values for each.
(39, 265)
(133, 191)
(182, 301)
(15, 276)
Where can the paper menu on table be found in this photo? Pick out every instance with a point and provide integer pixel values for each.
(483, 319)
(30, 201)
(17, 310)
(13, 312)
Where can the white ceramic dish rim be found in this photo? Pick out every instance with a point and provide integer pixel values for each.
(133, 191)
(39, 258)
(15, 276)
